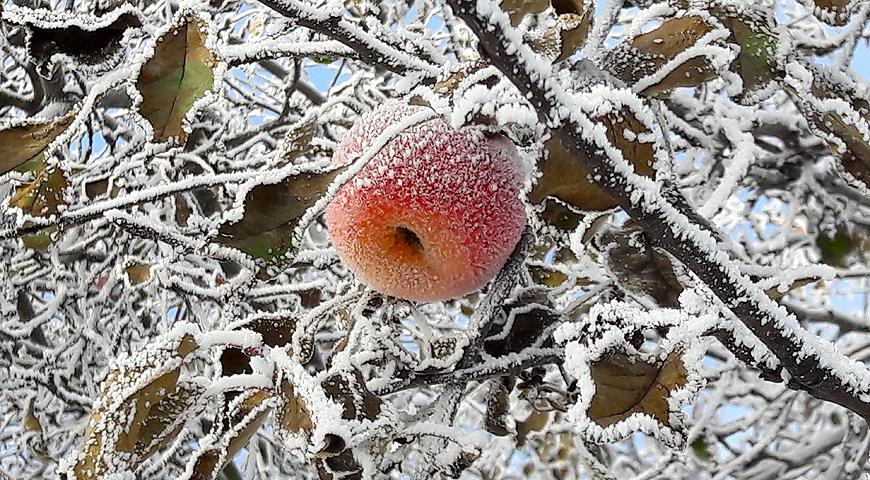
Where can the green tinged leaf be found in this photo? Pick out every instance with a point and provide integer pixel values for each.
(179, 73)
(701, 450)
(24, 143)
(835, 249)
(271, 214)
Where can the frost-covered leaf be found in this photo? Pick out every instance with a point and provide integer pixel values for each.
(527, 322)
(568, 35)
(497, 406)
(178, 73)
(44, 195)
(834, 12)
(348, 389)
(23, 142)
(518, 9)
(293, 416)
(645, 55)
(565, 178)
(138, 272)
(140, 408)
(272, 211)
(84, 38)
(625, 386)
(752, 29)
(245, 415)
(638, 267)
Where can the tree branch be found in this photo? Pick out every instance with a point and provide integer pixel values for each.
(813, 366)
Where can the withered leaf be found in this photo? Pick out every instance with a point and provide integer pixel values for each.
(624, 387)
(639, 268)
(535, 422)
(517, 9)
(42, 196)
(138, 272)
(835, 12)
(565, 177)
(135, 420)
(179, 73)
(348, 388)
(23, 143)
(527, 327)
(645, 54)
(497, 405)
(545, 275)
(271, 213)
(294, 416)
(89, 42)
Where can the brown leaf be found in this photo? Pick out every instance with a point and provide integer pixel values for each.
(497, 406)
(348, 389)
(132, 418)
(298, 140)
(179, 73)
(294, 416)
(565, 177)
(43, 196)
(535, 422)
(639, 268)
(272, 211)
(23, 142)
(527, 327)
(835, 12)
(624, 387)
(545, 275)
(235, 431)
(138, 272)
(99, 40)
(517, 9)
(648, 52)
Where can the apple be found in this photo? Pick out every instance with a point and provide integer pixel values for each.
(435, 213)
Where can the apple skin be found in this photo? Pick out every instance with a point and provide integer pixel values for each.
(436, 212)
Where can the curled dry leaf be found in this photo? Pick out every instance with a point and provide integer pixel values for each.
(178, 74)
(271, 214)
(497, 406)
(142, 406)
(625, 386)
(648, 53)
(22, 144)
(138, 272)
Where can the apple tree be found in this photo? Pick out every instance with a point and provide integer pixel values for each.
(688, 297)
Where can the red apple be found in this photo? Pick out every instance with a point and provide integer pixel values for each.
(434, 214)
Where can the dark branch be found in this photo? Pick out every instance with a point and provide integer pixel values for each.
(671, 225)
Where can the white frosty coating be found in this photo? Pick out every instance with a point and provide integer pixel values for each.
(268, 49)
(646, 194)
(582, 350)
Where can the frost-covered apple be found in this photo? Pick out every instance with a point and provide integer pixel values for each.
(434, 214)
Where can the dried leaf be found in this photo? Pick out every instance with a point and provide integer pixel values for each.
(648, 52)
(90, 42)
(24, 142)
(639, 268)
(517, 9)
(348, 388)
(271, 213)
(43, 196)
(535, 422)
(565, 177)
(294, 416)
(138, 272)
(624, 387)
(545, 275)
(298, 140)
(834, 12)
(527, 327)
(134, 414)
(497, 406)
(179, 73)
